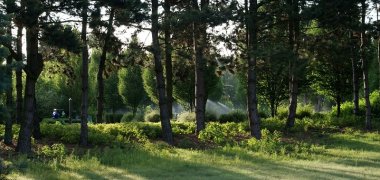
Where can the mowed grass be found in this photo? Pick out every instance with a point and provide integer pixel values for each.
(350, 155)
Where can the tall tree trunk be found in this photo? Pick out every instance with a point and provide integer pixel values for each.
(272, 107)
(84, 74)
(36, 122)
(338, 103)
(19, 76)
(355, 84)
(168, 59)
(33, 69)
(253, 115)
(165, 121)
(8, 135)
(365, 68)
(378, 41)
(293, 45)
(102, 65)
(199, 42)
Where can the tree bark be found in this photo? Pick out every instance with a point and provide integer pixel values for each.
(338, 103)
(168, 59)
(378, 41)
(253, 115)
(84, 74)
(8, 135)
(368, 125)
(293, 26)
(272, 107)
(36, 122)
(33, 69)
(165, 121)
(355, 85)
(199, 42)
(102, 64)
(19, 99)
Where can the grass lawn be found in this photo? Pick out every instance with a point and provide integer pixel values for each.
(351, 155)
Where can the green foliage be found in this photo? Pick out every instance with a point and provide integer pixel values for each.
(183, 128)
(233, 116)
(53, 151)
(152, 116)
(222, 134)
(113, 118)
(186, 117)
(347, 108)
(127, 117)
(269, 143)
(113, 100)
(302, 111)
(62, 36)
(131, 87)
(149, 81)
(101, 134)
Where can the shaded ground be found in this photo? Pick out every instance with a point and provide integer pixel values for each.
(344, 156)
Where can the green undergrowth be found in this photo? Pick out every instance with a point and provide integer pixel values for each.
(350, 154)
(318, 147)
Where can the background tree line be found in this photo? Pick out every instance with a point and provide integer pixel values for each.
(272, 51)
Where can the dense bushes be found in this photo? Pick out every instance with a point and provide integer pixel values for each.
(222, 134)
(234, 116)
(347, 108)
(302, 111)
(102, 133)
(152, 116)
(127, 117)
(186, 117)
(113, 118)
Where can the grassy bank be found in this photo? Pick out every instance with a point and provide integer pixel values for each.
(349, 154)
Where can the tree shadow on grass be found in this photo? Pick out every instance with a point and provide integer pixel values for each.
(352, 144)
(168, 163)
(270, 168)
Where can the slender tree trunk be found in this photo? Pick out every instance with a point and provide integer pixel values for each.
(272, 107)
(168, 59)
(338, 104)
(165, 120)
(33, 69)
(19, 99)
(36, 122)
(253, 115)
(293, 44)
(378, 41)
(8, 135)
(84, 74)
(355, 85)
(102, 65)
(199, 42)
(365, 68)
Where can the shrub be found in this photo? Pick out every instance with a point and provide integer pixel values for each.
(183, 128)
(152, 116)
(113, 118)
(53, 151)
(127, 117)
(234, 116)
(269, 143)
(274, 123)
(304, 111)
(222, 134)
(211, 117)
(139, 117)
(186, 117)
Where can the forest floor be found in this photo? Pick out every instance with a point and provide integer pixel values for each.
(352, 155)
